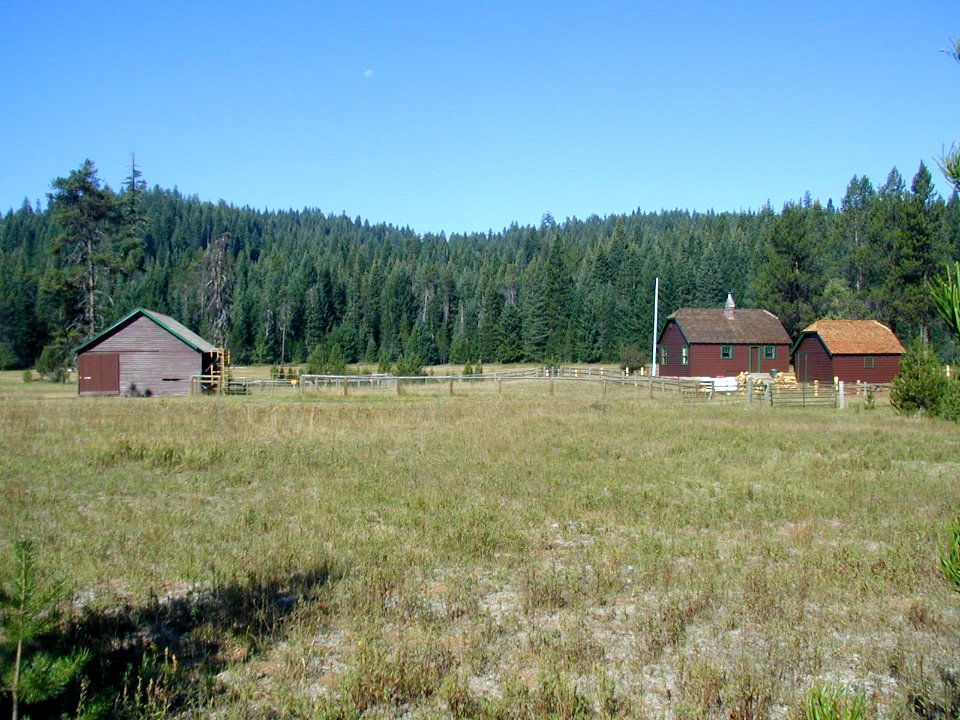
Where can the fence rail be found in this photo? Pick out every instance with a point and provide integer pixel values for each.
(757, 390)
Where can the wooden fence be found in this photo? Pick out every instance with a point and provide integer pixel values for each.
(758, 390)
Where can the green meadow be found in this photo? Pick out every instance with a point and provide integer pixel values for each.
(490, 552)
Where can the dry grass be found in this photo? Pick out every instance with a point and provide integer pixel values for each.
(510, 554)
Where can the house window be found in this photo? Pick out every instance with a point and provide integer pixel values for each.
(663, 356)
(726, 352)
(769, 352)
(869, 362)
(685, 355)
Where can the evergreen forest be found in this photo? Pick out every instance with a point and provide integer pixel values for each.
(285, 287)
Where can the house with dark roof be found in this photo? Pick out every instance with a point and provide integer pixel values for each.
(720, 342)
(145, 353)
(849, 350)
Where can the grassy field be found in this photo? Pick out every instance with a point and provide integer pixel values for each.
(489, 554)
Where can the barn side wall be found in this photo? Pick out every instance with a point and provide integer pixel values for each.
(152, 359)
(705, 360)
(849, 368)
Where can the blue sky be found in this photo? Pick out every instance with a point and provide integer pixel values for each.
(457, 116)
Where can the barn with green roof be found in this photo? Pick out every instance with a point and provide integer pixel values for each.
(146, 353)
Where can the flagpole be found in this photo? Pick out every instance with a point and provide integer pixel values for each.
(656, 310)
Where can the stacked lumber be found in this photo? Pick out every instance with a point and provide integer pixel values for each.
(782, 381)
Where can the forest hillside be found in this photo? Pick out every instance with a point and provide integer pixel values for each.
(305, 286)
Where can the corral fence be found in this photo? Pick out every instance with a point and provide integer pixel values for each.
(760, 390)
(837, 395)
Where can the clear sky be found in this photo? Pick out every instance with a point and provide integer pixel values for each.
(464, 116)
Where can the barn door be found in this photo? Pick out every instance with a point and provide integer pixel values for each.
(99, 373)
(754, 359)
(803, 368)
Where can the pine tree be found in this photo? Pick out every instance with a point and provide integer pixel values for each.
(788, 279)
(945, 293)
(535, 307)
(85, 213)
(510, 349)
(132, 247)
(28, 610)
(217, 287)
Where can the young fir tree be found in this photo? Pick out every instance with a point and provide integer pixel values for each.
(28, 611)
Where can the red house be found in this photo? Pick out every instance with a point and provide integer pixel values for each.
(719, 342)
(850, 350)
(145, 353)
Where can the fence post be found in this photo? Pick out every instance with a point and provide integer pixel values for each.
(768, 394)
(346, 387)
(450, 387)
(749, 390)
(840, 399)
(399, 388)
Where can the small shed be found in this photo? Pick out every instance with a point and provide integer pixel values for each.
(145, 353)
(720, 342)
(850, 350)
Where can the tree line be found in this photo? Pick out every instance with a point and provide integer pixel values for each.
(284, 287)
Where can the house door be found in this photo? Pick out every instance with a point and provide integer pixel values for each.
(802, 367)
(99, 373)
(755, 365)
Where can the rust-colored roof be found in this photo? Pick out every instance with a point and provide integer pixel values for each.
(855, 337)
(723, 327)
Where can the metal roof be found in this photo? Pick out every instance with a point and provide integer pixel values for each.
(178, 330)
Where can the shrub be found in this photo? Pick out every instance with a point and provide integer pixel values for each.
(834, 702)
(408, 365)
(54, 361)
(950, 557)
(326, 361)
(8, 358)
(632, 357)
(921, 387)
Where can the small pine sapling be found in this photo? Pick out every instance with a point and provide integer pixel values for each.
(950, 557)
(28, 610)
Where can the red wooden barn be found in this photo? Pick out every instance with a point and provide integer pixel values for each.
(145, 353)
(850, 350)
(719, 342)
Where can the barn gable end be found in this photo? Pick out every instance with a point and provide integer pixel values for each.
(144, 353)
